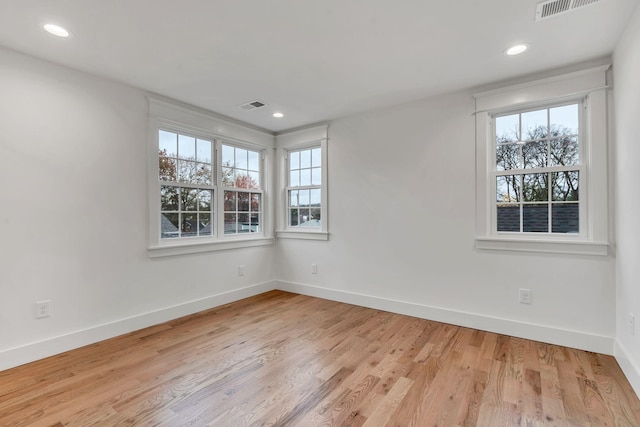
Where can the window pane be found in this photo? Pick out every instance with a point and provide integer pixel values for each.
(293, 217)
(204, 150)
(255, 223)
(508, 217)
(204, 224)
(203, 174)
(204, 199)
(230, 200)
(534, 154)
(168, 198)
(228, 179)
(565, 186)
(230, 226)
(189, 225)
(228, 156)
(305, 177)
(304, 217)
(316, 176)
(535, 187)
(294, 178)
(535, 218)
(254, 161)
(168, 143)
(507, 128)
(243, 180)
(508, 189)
(187, 172)
(314, 219)
(564, 120)
(241, 158)
(256, 202)
(565, 151)
(294, 160)
(186, 147)
(254, 180)
(304, 197)
(188, 199)
(243, 202)
(316, 198)
(507, 157)
(534, 125)
(293, 198)
(166, 168)
(244, 224)
(169, 225)
(316, 157)
(305, 159)
(565, 218)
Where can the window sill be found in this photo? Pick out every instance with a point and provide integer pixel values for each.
(543, 246)
(184, 248)
(304, 235)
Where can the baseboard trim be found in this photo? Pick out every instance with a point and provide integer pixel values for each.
(564, 337)
(629, 368)
(21, 355)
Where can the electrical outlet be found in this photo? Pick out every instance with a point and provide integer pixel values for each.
(632, 324)
(314, 268)
(241, 270)
(43, 309)
(525, 296)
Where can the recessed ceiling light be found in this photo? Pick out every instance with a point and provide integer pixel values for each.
(516, 49)
(57, 30)
(278, 115)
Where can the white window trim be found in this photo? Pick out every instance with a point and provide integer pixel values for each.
(292, 141)
(169, 116)
(590, 85)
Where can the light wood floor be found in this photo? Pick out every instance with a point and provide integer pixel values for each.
(290, 360)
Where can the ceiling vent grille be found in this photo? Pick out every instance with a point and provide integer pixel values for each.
(550, 8)
(252, 105)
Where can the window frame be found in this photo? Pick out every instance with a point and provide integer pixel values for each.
(590, 86)
(199, 124)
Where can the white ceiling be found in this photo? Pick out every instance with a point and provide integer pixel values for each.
(312, 60)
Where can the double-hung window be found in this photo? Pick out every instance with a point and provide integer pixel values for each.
(304, 193)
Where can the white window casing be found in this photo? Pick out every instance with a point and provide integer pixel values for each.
(589, 89)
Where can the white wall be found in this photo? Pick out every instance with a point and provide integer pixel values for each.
(73, 218)
(627, 126)
(402, 215)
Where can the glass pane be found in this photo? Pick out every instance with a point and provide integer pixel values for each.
(204, 199)
(535, 187)
(204, 224)
(316, 158)
(203, 173)
(565, 186)
(304, 197)
(255, 223)
(534, 154)
(534, 125)
(243, 180)
(507, 157)
(565, 218)
(255, 202)
(293, 198)
(254, 180)
(230, 200)
(508, 217)
(228, 156)
(243, 202)
(186, 147)
(564, 120)
(294, 178)
(293, 217)
(168, 198)
(244, 224)
(316, 176)
(204, 150)
(227, 177)
(305, 177)
(316, 198)
(305, 159)
(507, 128)
(305, 215)
(168, 143)
(169, 225)
(508, 189)
(187, 172)
(254, 161)
(189, 199)
(535, 218)
(166, 169)
(230, 226)
(314, 219)
(565, 151)
(189, 225)
(294, 160)
(241, 158)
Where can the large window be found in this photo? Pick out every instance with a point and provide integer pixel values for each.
(537, 170)
(304, 207)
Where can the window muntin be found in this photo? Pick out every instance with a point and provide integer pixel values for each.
(185, 173)
(304, 193)
(537, 170)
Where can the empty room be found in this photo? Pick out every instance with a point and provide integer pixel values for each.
(337, 213)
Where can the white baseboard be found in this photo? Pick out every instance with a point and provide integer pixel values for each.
(51, 346)
(564, 337)
(629, 367)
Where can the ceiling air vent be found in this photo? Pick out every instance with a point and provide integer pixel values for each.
(550, 8)
(248, 106)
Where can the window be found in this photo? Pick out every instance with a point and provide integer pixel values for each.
(541, 165)
(537, 170)
(305, 188)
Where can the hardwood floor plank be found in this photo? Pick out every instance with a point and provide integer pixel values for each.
(282, 359)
